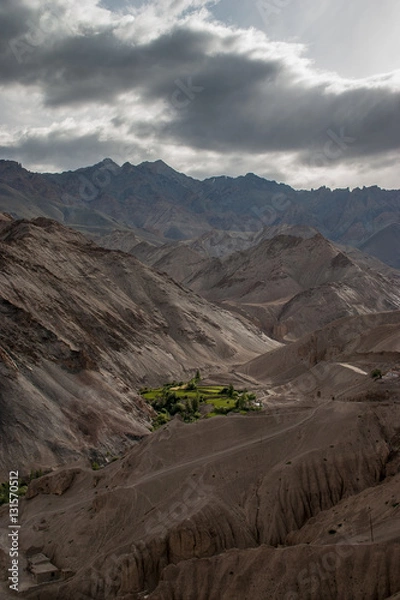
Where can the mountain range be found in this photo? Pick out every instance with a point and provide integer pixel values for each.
(165, 204)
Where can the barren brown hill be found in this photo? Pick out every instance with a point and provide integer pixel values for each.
(294, 285)
(127, 240)
(179, 261)
(182, 259)
(336, 360)
(81, 329)
(4, 220)
(275, 505)
(176, 259)
(216, 243)
(27, 195)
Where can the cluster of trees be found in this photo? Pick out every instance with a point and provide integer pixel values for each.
(169, 404)
(228, 391)
(185, 399)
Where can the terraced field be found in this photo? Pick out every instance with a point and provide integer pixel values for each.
(194, 401)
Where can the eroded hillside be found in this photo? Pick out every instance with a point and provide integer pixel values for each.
(276, 505)
(82, 329)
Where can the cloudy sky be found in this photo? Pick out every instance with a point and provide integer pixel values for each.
(302, 91)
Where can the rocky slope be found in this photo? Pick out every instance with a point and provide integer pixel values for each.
(289, 279)
(329, 572)
(336, 360)
(293, 285)
(82, 328)
(213, 244)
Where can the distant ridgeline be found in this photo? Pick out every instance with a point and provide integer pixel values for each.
(107, 196)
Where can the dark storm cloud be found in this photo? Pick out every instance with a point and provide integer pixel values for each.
(96, 66)
(217, 95)
(100, 67)
(14, 20)
(271, 113)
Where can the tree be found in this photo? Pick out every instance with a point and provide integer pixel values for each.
(242, 402)
(376, 374)
(197, 376)
(161, 419)
(180, 407)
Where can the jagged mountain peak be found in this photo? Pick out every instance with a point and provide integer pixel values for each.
(159, 167)
(152, 195)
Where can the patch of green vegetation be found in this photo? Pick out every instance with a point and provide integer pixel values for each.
(152, 394)
(221, 403)
(186, 399)
(4, 493)
(210, 389)
(23, 483)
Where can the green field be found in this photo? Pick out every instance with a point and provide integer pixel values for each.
(190, 400)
